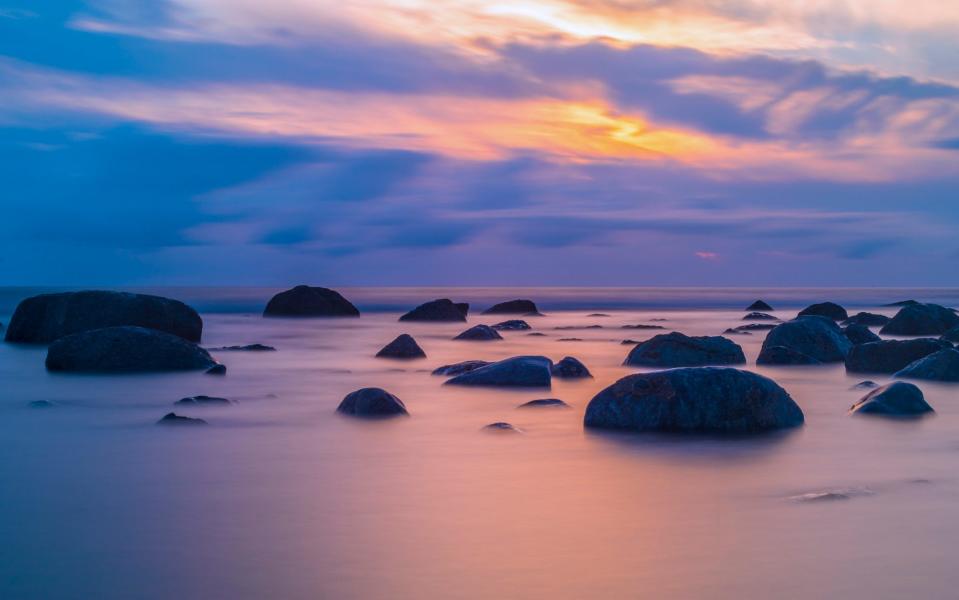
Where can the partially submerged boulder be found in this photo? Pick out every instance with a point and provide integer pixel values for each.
(759, 316)
(518, 371)
(868, 319)
(173, 419)
(459, 368)
(817, 337)
(921, 319)
(571, 368)
(371, 402)
(513, 307)
(512, 325)
(204, 401)
(544, 403)
(694, 400)
(751, 327)
(218, 369)
(501, 427)
(443, 309)
(939, 366)
(479, 333)
(678, 350)
(126, 350)
(860, 334)
(830, 310)
(889, 356)
(309, 301)
(47, 317)
(759, 305)
(403, 347)
(783, 356)
(246, 348)
(897, 399)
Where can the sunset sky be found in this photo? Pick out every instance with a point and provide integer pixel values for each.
(537, 142)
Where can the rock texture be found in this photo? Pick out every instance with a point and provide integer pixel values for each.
(679, 350)
(308, 301)
(817, 337)
(940, 366)
(518, 371)
(889, 356)
(371, 402)
(125, 349)
(897, 399)
(921, 319)
(830, 310)
(443, 309)
(404, 347)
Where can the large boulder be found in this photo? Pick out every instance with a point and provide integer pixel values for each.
(817, 337)
(443, 309)
(889, 356)
(44, 318)
(694, 400)
(678, 350)
(939, 366)
(513, 307)
(759, 305)
(860, 334)
(830, 310)
(308, 301)
(897, 399)
(571, 368)
(479, 333)
(404, 346)
(371, 402)
(459, 368)
(783, 356)
(921, 319)
(868, 319)
(518, 371)
(126, 350)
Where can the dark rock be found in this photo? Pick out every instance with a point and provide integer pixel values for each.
(512, 325)
(216, 370)
(759, 305)
(755, 327)
(544, 403)
(404, 346)
(889, 356)
(537, 334)
(678, 350)
(867, 319)
(308, 301)
(572, 339)
(501, 427)
(940, 366)
(830, 310)
(512, 307)
(463, 307)
(126, 349)
(895, 399)
(247, 348)
(694, 400)
(204, 401)
(571, 368)
(518, 371)
(758, 316)
(903, 303)
(460, 367)
(437, 310)
(630, 342)
(171, 419)
(865, 385)
(736, 332)
(781, 355)
(921, 319)
(597, 315)
(860, 334)
(47, 317)
(951, 336)
(817, 337)
(479, 333)
(574, 327)
(642, 326)
(371, 402)
(41, 404)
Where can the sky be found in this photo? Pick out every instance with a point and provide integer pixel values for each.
(467, 142)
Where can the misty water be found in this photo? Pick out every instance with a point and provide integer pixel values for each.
(280, 497)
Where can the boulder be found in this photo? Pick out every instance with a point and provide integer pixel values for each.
(371, 402)
(47, 317)
(860, 334)
(404, 346)
(571, 368)
(889, 356)
(817, 337)
(897, 399)
(759, 305)
(951, 336)
(940, 366)
(501, 427)
(830, 310)
(518, 371)
(678, 350)
(544, 403)
(512, 325)
(759, 316)
(204, 401)
(459, 368)
(921, 319)
(867, 319)
(513, 307)
(753, 327)
(694, 400)
(126, 350)
(443, 309)
(247, 348)
(309, 301)
(173, 419)
(479, 333)
(781, 355)
(216, 370)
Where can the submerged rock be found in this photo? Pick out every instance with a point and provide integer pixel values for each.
(518, 371)
(461, 367)
(865, 385)
(173, 419)
(678, 350)
(940, 366)
(759, 316)
(309, 301)
(512, 325)
(896, 399)
(642, 326)
(501, 427)
(736, 332)
(443, 309)
(204, 401)
(41, 404)
(889, 356)
(817, 337)
(247, 348)
(753, 327)
(921, 319)
(404, 346)
(513, 307)
(903, 303)
(217, 369)
(860, 334)
(759, 305)
(479, 333)
(694, 400)
(544, 403)
(781, 355)
(830, 310)
(867, 319)
(47, 317)
(571, 368)
(371, 402)
(126, 349)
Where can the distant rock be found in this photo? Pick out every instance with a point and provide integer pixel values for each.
(459, 368)
(217, 369)
(897, 399)
(902, 303)
(940, 366)
(817, 337)
(575, 327)
(47, 317)
(204, 401)
(860, 334)
(759, 305)
(125, 349)
(736, 332)
(865, 385)
(518, 371)
(537, 334)
(631, 342)
(570, 339)
(758, 316)
(513, 307)
(247, 348)
(678, 350)
(642, 326)
(308, 301)
(754, 327)
(371, 402)
(694, 400)
(830, 310)
(443, 309)
(173, 419)
(570, 368)
(597, 315)
(781, 355)
(41, 404)
(544, 403)
(501, 427)
(921, 319)
(479, 333)
(889, 356)
(867, 319)
(403, 347)
(512, 325)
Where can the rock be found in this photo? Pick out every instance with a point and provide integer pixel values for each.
(501, 427)
(889, 356)
(921, 319)
(895, 399)
(204, 401)
(736, 332)
(817, 337)
(754, 327)
(597, 315)
(759, 305)
(830, 310)
(537, 334)
(631, 342)
(512, 325)
(371, 402)
(572, 339)
(641, 326)
(308, 301)
(479, 333)
(574, 327)
(171, 419)
(902, 303)
(460, 367)
(940, 366)
(860, 334)
(678, 350)
(125, 349)
(544, 403)
(247, 348)
(867, 319)
(951, 336)
(518, 371)
(781, 355)
(41, 404)
(758, 316)
(865, 385)
(694, 400)
(47, 317)
(437, 310)
(571, 368)
(216, 370)
(404, 346)
(513, 307)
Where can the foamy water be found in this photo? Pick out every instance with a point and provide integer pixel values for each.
(280, 497)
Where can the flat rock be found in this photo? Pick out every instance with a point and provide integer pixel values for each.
(513, 307)
(518, 371)
(479, 333)
(868, 319)
(754, 327)
(678, 350)
(204, 401)
(759, 305)
(511, 325)
(830, 310)
(940, 366)
(783, 356)
(860, 334)
(125, 349)
(544, 403)
(817, 337)
(571, 368)
(865, 385)
(461, 367)
(759, 316)
(309, 301)
(642, 326)
(897, 399)
(173, 419)
(403, 347)
(371, 402)
(501, 427)
(921, 319)
(443, 309)
(889, 356)
(246, 348)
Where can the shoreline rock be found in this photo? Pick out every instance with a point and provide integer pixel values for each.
(513, 307)
(443, 310)
(896, 399)
(829, 310)
(939, 366)
(174, 420)
(759, 305)
(372, 402)
(678, 350)
(126, 350)
(889, 356)
(517, 371)
(479, 333)
(817, 337)
(403, 347)
(309, 301)
(571, 368)
(921, 319)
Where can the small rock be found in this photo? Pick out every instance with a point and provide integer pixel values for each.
(597, 315)
(679, 350)
(571, 368)
(204, 401)
(759, 305)
(479, 333)
(443, 309)
(759, 316)
(865, 385)
(512, 325)
(897, 399)
(403, 347)
(830, 310)
(940, 366)
(867, 319)
(537, 334)
(501, 427)
(572, 327)
(371, 402)
(921, 319)
(755, 327)
(518, 371)
(41, 404)
(572, 339)
(247, 348)
(459, 368)
(642, 326)
(544, 403)
(817, 337)
(173, 419)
